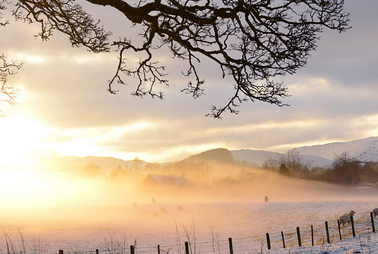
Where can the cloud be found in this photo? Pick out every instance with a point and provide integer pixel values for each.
(349, 58)
(333, 97)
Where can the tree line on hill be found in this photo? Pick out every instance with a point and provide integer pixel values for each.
(189, 170)
(344, 170)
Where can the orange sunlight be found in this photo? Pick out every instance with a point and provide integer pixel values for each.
(28, 190)
(19, 136)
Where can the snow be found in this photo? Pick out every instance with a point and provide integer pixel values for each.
(318, 155)
(362, 149)
(207, 225)
(359, 244)
(253, 156)
(258, 157)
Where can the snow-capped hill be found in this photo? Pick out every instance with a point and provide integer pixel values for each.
(362, 149)
(258, 157)
(316, 161)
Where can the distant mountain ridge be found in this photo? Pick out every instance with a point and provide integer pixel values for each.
(258, 157)
(221, 155)
(362, 149)
(316, 156)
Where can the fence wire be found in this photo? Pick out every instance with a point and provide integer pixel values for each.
(311, 235)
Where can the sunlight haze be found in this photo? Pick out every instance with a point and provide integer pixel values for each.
(64, 108)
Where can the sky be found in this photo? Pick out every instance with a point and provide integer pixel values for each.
(64, 109)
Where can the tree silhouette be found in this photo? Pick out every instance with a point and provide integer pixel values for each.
(251, 41)
(8, 94)
(118, 175)
(284, 170)
(346, 169)
(91, 170)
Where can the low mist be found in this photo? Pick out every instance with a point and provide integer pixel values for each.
(90, 193)
(85, 202)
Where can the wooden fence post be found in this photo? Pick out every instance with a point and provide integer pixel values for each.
(283, 239)
(186, 248)
(60, 251)
(372, 221)
(312, 235)
(327, 232)
(230, 244)
(132, 249)
(268, 241)
(158, 248)
(299, 237)
(338, 226)
(352, 222)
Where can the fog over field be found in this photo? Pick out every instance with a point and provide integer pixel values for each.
(78, 212)
(57, 193)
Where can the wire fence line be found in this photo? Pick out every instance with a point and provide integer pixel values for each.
(317, 234)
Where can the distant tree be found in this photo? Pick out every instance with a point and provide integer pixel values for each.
(136, 167)
(346, 170)
(118, 175)
(271, 163)
(248, 164)
(250, 41)
(92, 171)
(246, 176)
(293, 164)
(370, 172)
(294, 161)
(152, 167)
(284, 170)
(318, 173)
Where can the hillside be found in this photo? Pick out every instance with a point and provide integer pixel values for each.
(319, 155)
(315, 156)
(253, 157)
(362, 149)
(258, 157)
(221, 155)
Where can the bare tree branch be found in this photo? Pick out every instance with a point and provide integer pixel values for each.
(251, 41)
(8, 94)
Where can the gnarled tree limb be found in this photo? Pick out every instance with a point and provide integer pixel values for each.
(252, 41)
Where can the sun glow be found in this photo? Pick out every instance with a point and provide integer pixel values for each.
(25, 188)
(25, 142)
(35, 59)
(44, 189)
(19, 136)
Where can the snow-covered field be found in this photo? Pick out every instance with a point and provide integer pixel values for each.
(207, 226)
